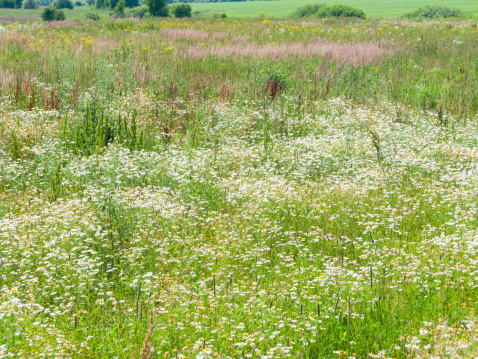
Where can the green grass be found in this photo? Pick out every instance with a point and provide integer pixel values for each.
(77, 13)
(283, 8)
(239, 186)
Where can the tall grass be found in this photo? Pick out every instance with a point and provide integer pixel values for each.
(312, 196)
(424, 65)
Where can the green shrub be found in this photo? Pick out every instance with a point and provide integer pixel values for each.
(50, 14)
(119, 8)
(62, 4)
(7, 4)
(181, 10)
(157, 8)
(340, 11)
(78, 3)
(97, 129)
(436, 11)
(59, 15)
(101, 4)
(308, 10)
(93, 15)
(31, 4)
(137, 12)
(322, 10)
(217, 16)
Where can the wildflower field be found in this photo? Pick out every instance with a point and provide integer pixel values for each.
(239, 188)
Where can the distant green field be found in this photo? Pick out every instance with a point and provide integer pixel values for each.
(75, 14)
(373, 8)
(283, 8)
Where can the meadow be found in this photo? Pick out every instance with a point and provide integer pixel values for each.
(283, 8)
(277, 8)
(78, 13)
(239, 188)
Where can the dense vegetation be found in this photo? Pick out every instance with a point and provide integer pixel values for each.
(62, 4)
(31, 4)
(49, 13)
(322, 10)
(181, 10)
(435, 11)
(208, 1)
(10, 4)
(308, 10)
(231, 188)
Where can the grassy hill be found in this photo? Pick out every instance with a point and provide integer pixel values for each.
(373, 8)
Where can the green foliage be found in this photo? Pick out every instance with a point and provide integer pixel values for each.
(278, 75)
(13, 145)
(62, 4)
(219, 16)
(18, 4)
(157, 8)
(7, 4)
(137, 12)
(308, 10)
(132, 3)
(322, 10)
(102, 4)
(118, 223)
(181, 10)
(31, 4)
(436, 11)
(128, 3)
(59, 15)
(97, 129)
(340, 11)
(119, 8)
(48, 14)
(93, 15)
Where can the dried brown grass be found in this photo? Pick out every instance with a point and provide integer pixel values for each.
(61, 23)
(183, 34)
(146, 352)
(354, 54)
(198, 35)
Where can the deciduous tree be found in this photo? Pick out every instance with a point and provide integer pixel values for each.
(157, 7)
